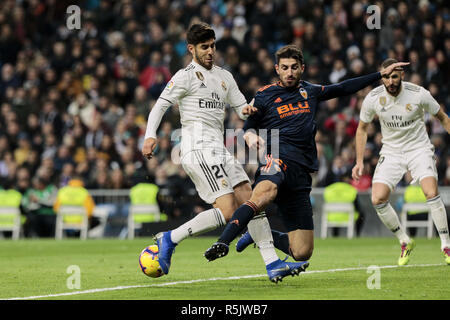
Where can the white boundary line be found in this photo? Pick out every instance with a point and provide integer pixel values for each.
(72, 293)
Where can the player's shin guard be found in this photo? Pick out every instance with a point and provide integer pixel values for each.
(238, 222)
(261, 234)
(390, 219)
(203, 222)
(439, 216)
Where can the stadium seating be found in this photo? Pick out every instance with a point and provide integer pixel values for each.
(415, 202)
(347, 208)
(144, 207)
(10, 219)
(339, 211)
(101, 213)
(71, 218)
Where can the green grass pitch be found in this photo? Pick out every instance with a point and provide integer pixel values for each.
(38, 269)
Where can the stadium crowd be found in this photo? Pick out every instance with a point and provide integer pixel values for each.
(76, 102)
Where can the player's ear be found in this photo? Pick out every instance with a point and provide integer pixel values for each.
(277, 69)
(191, 48)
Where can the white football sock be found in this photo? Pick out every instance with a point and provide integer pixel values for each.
(439, 216)
(261, 234)
(203, 222)
(390, 219)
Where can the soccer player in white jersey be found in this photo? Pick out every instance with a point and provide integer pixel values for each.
(202, 91)
(400, 107)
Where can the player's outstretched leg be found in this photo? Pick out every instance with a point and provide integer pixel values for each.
(407, 248)
(279, 269)
(439, 216)
(202, 222)
(166, 248)
(217, 250)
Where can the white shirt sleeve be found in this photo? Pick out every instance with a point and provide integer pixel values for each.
(367, 110)
(175, 89)
(428, 103)
(235, 97)
(155, 116)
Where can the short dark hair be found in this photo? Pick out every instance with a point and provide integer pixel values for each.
(289, 51)
(386, 63)
(200, 32)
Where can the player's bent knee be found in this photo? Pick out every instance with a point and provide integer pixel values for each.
(227, 205)
(301, 254)
(378, 200)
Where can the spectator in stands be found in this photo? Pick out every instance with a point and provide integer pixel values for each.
(37, 203)
(74, 193)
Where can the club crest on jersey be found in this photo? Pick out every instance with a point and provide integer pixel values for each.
(383, 101)
(200, 76)
(303, 93)
(224, 86)
(408, 107)
(224, 183)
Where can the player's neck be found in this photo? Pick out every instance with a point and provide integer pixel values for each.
(295, 86)
(201, 65)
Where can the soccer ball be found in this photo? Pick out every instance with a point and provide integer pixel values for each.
(148, 261)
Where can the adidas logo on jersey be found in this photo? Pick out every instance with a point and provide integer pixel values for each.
(278, 100)
(202, 85)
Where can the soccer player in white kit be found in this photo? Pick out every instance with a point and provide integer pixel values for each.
(202, 91)
(400, 107)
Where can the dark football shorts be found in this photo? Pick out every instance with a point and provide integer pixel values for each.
(294, 187)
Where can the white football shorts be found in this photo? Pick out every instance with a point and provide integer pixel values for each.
(214, 172)
(392, 166)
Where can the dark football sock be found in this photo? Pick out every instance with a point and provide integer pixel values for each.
(238, 222)
(281, 241)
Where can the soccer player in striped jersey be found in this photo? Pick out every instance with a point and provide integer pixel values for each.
(400, 107)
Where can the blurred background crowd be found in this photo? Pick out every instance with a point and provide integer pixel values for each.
(74, 103)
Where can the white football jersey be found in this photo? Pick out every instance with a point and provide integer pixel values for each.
(202, 96)
(402, 117)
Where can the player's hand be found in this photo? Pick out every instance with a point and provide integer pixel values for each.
(148, 147)
(248, 110)
(357, 171)
(253, 140)
(389, 69)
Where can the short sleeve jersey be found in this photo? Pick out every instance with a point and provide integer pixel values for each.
(402, 117)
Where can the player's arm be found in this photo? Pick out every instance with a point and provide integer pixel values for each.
(154, 120)
(444, 119)
(353, 85)
(360, 141)
(253, 140)
(429, 104)
(175, 90)
(237, 100)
